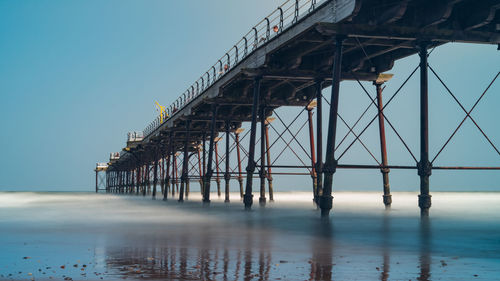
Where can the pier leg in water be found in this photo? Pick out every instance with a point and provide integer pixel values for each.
(174, 172)
(383, 148)
(309, 109)
(319, 141)
(146, 179)
(217, 178)
(96, 181)
(155, 178)
(240, 176)
(200, 171)
(185, 162)
(204, 172)
(262, 172)
(248, 197)
(269, 171)
(325, 201)
(227, 176)
(424, 166)
(167, 173)
(162, 174)
(208, 175)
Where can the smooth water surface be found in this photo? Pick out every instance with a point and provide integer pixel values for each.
(84, 236)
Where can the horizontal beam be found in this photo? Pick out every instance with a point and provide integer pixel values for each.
(405, 33)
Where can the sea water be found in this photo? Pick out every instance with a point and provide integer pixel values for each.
(85, 236)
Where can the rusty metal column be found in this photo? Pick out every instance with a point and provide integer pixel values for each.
(319, 140)
(162, 174)
(155, 178)
(138, 180)
(424, 166)
(167, 173)
(174, 172)
(227, 175)
(325, 201)
(262, 172)
(132, 181)
(146, 180)
(269, 171)
(383, 147)
(208, 175)
(185, 162)
(217, 178)
(240, 176)
(96, 181)
(309, 108)
(204, 163)
(248, 197)
(200, 171)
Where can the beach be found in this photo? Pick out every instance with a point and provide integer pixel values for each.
(86, 236)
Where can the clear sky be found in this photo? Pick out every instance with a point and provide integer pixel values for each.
(76, 76)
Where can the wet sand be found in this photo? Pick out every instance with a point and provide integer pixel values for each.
(84, 236)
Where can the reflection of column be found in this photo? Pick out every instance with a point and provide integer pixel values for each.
(425, 249)
(322, 256)
(248, 265)
(183, 263)
(238, 265)
(386, 236)
(226, 263)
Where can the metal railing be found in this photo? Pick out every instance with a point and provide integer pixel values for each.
(284, 17)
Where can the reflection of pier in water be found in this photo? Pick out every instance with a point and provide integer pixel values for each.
(206, 256)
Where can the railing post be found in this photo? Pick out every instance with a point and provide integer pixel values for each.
(208, 175)
(185, 162)
(424, 166)
(325, 201)
(227, 176)
(383, 147)
(248, 197)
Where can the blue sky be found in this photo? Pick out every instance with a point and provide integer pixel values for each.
(76, 76)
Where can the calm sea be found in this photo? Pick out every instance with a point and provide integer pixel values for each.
(85, 236)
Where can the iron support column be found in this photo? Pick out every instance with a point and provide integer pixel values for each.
(162, 174)
(248, 197)
(240, 176)
(262, 173)
(96, 181)
(269, 171)
(167, 172)
(227, 175)
(424, 166)
(200, 171)
(217, 178)
(174, 172)
(313, 156)
(185, 162)
(319, 140)
(146, 179)
(208, 175)
(383, 147)
(325, 201)
(155, 178)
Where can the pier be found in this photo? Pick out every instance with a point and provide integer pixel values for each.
(286, 60)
